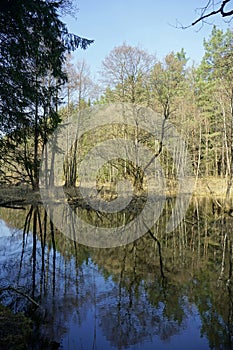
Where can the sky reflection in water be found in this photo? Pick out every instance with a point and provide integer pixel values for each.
(116, 299)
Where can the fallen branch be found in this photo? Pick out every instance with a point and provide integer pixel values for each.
(9, 288)
(12, 204)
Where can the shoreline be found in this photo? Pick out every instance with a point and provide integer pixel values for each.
(24, 195)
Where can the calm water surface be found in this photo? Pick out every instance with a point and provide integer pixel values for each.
(132, 297)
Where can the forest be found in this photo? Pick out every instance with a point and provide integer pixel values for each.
(167, 281)
(197, 99)
(36, 96)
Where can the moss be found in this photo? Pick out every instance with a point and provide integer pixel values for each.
(15, 330)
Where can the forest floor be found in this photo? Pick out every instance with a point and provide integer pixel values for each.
(18, 195)
(211, 186)
(11, 195)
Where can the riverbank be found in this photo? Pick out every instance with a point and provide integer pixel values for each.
(11, 195)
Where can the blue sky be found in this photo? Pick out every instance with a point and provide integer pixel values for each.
(148, 24)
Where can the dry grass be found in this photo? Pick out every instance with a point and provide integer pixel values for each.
(205, 187)
(211, 186)
(20, 194)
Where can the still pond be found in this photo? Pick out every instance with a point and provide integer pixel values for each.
(172, 292)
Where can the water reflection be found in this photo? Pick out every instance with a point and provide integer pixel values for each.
(120, 298)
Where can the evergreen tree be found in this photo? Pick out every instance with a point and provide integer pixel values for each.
(33, 44)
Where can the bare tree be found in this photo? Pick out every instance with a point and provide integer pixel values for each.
(80, 88)
(85, 87)
(125, 69)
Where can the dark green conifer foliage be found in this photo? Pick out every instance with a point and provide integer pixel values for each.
(33, 44)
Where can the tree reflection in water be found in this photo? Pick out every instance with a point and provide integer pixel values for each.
(120, 298)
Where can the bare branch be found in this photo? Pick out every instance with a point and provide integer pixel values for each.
(9, 288)
(220, 10)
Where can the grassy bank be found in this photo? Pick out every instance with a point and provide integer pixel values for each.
(209, 187)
